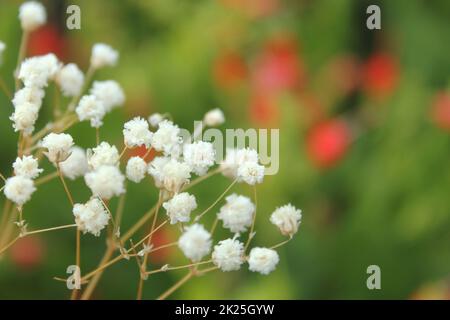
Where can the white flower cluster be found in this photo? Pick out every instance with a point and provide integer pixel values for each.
(287, 218)
(70, 79)
(179, 208)
(237, 213)
(172, 167)
(20, 187)
(243, 165)
(136, 133)
(104, 96)
(91, 217)
(32, 15)
(104, 177)
(195, 242)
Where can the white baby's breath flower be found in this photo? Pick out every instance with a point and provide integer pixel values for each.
(103, 154)
(2, 49)
(91, 217)
(136, 133)
(167, 138)
(24, 117)
(251, 173)
(214, 118)
(287, 218)
(58, 146)
(155, 119)
(92, 109)
(175, 175)
(179, 208)
(199, 156)
(37, 71)
(27, 103)
(263, 260)
(103, 55)
(27, 166)
(155, 169)
(105, 182)
(228, 255)
(32, 15)
(19, 189)
(237, 213)
(236, 158)
(28, 95)
(195, 242)
(70, 79)
(75, 165)
(136, 169)
(109, 92)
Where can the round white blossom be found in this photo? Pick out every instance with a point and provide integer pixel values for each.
(91, 217)
(263, 260)
(136, 169)
(155, 119)
(75, 165)
(236, 158)
(103, 154)
(228, 255)
(58, 146)
(70, 79)
(27, 103)
(167, 138)
(103, 55)
(27, 166)
(195, 242)
(237, 213)
(37, 71)
(105, 182)
(19, 189)
(2, 49)
(287, 218)
(92, 109)
(32, 15)
(214, 118)
(179, 208)
(136, 133)
(175, 175)
(109, 92)
(155, 169)
(199, 156)
(251, 173)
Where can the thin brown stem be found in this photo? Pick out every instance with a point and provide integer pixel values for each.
(61, 177)
(177, 285)
(46, 178)
(145, 259)
(250, 234)
(215, 202)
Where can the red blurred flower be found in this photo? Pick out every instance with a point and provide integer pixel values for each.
(27, 252)
(160, 238)
(47, 39)
(264, 110)
(440, 111)
(253, 8)
(142, 152)
(381, 74)
(327, 142)
(278, 67)
(229, 70)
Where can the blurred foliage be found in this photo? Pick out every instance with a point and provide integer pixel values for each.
(382, 200)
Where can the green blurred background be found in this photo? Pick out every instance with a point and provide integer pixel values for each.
(364, 120)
